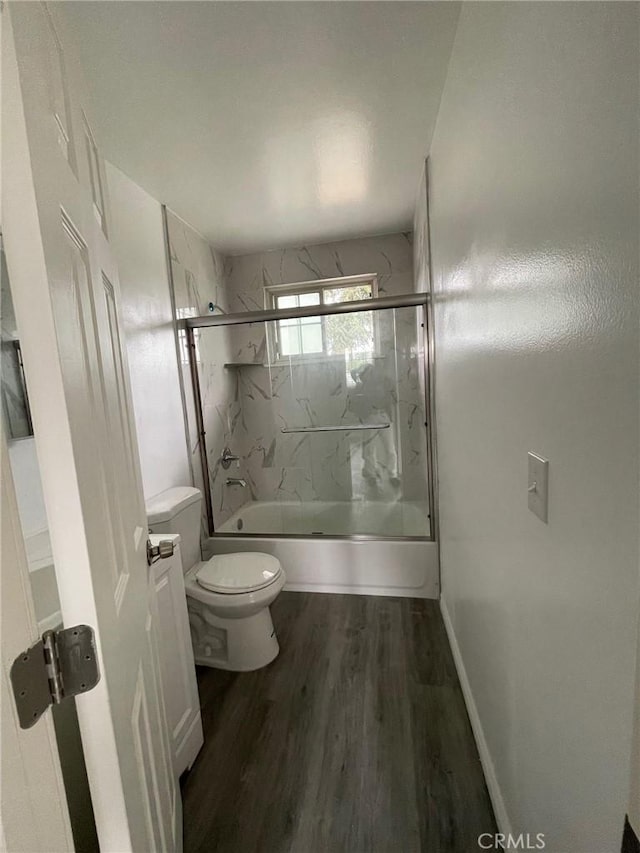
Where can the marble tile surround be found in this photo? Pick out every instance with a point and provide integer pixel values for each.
(245, 408)
(390, 256)
(329, 466)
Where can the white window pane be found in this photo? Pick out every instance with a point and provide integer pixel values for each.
(290, 340)
(309, 321)
(291, 322)
(311, 338)
(310, 298)
(287, 301)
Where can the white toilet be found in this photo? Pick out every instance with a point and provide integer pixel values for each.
(228, 596)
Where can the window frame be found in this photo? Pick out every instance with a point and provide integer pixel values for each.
(320, 285)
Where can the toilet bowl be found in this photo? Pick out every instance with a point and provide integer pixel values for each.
(228, 596)
(228, 599)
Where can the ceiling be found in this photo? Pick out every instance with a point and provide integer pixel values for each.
(267, 124)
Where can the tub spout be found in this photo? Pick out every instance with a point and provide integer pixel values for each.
(236, 481)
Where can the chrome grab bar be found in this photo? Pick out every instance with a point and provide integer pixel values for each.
(339, 428)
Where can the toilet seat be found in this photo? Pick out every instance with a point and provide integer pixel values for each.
(232, 574)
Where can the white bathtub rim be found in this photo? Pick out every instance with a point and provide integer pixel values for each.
(319, 537)
(370, 566)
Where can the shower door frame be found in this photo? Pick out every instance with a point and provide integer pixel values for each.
(408, 300)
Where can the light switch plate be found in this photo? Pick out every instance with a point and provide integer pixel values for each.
(538, 486)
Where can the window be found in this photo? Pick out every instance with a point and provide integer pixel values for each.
(302, 336)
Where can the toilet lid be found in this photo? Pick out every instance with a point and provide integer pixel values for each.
(243, 572)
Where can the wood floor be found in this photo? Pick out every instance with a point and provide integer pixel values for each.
(354, 740)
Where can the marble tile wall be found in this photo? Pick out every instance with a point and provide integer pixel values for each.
(387, 465)
(390, 256)
(248, 396)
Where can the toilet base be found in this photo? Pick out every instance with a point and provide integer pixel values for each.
(239, 645)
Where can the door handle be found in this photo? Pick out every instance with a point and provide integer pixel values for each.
(161, 551)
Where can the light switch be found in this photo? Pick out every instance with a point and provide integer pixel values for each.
(538, 486)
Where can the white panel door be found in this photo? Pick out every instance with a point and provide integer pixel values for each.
(66, 294)
(33, 807)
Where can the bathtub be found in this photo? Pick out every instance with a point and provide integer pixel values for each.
(363, 547)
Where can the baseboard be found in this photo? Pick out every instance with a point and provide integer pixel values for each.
(497, 801)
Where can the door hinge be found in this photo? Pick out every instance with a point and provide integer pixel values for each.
(63, 663)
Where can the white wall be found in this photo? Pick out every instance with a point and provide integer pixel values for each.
(138, 242)
(534, 212)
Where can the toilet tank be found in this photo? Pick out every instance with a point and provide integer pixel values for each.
(178, 510)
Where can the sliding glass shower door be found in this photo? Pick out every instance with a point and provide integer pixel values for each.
(326, 414)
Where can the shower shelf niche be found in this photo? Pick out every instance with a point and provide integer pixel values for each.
(229, 365)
